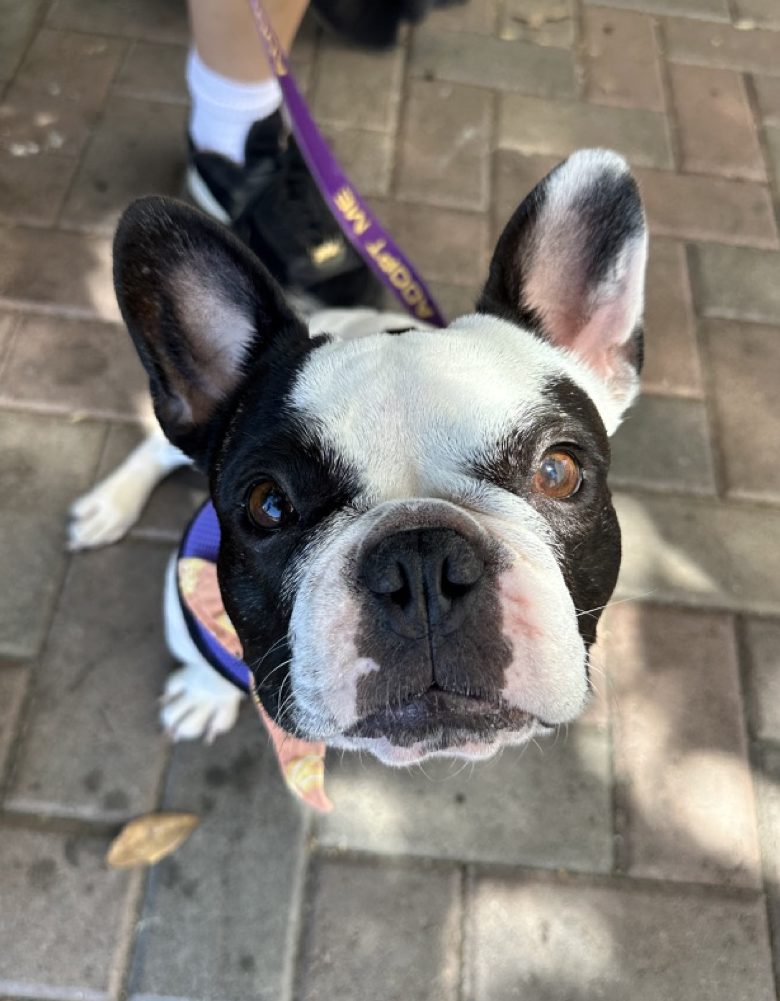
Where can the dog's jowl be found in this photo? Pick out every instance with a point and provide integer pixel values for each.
(417, 534)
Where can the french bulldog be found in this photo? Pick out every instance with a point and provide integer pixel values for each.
(417, 536)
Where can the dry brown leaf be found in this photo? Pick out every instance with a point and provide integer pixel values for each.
(149, 838)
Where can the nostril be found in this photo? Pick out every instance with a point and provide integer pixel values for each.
(402, 595)
(385, 577)
(461, 569)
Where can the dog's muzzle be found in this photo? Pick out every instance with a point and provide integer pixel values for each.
(432, 623)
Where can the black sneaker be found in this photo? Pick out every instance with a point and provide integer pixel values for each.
(274, 206)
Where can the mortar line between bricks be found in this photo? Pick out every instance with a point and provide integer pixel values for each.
(5, 356)
(595, 880)
(773, 178)
(578, 51)
(35, 307)
(400, 115)
(296, 915)
(298, 930)
(460, 987)
(772, 919)
(708, 400)
(618, 833)
(22, 721)
(670, 107)
(41, 408)
(119, 981)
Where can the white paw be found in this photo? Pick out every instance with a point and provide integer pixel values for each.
(104, 515)
(198, 703)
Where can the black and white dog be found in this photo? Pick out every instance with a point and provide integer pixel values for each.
(417, 533)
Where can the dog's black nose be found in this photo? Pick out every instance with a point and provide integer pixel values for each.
(422, 579)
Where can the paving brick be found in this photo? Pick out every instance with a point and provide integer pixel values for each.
(62, 916)
(383, 933)
(680, 746)
(707, 208)
(454, 300)
(18, 21)
(91, 369)
(700, 553)
(569, 941)
(367, 157)
(671, 350)
(722, 46)
(542, 806)
(444, 154)
(173, 502)
(445, 245)
(159, 22)
(716, 130)
(33, 124)
(33, 188)
(33, 548)
(744, 362)
(761, 13)
(76, 279)
(711, 10)
(474, 16)
(224, 900)
(768, 93)
(664, 444)
(538, 21)
(622, 59)
(92, 746)
(46, 462)
(762, 641)
(137, 150)
(492, 62)
(14, 680)
(374, 103)
(71, 64)
(736, 283)
(535, 126)
(155, 72)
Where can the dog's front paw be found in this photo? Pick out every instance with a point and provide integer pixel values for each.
(198, 703)
(104, 515)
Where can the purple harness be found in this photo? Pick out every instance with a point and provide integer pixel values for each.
(201, 540)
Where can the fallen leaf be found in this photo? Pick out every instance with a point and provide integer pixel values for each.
(149, 838)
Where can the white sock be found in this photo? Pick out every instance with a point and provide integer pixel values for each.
(223, 110)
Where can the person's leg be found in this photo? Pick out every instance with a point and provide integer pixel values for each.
(230, 82)
(226, 39)
(247, 172)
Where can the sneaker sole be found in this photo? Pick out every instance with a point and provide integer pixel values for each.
(199, 192)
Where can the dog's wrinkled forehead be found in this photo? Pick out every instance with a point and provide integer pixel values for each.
(403, 409)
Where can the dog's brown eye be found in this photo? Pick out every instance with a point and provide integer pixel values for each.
(269, 507)
(559, 476)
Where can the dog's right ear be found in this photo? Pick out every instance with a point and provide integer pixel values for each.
(201, 310)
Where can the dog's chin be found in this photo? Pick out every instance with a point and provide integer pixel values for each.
(439, 725)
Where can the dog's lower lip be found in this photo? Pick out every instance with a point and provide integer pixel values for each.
(435, 711)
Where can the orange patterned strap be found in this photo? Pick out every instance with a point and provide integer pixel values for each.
(302, 763)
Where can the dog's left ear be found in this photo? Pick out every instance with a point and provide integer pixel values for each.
(570, 265)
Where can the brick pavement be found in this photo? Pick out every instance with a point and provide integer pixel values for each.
(638, 857)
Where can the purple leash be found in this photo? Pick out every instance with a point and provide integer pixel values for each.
(358, 223)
